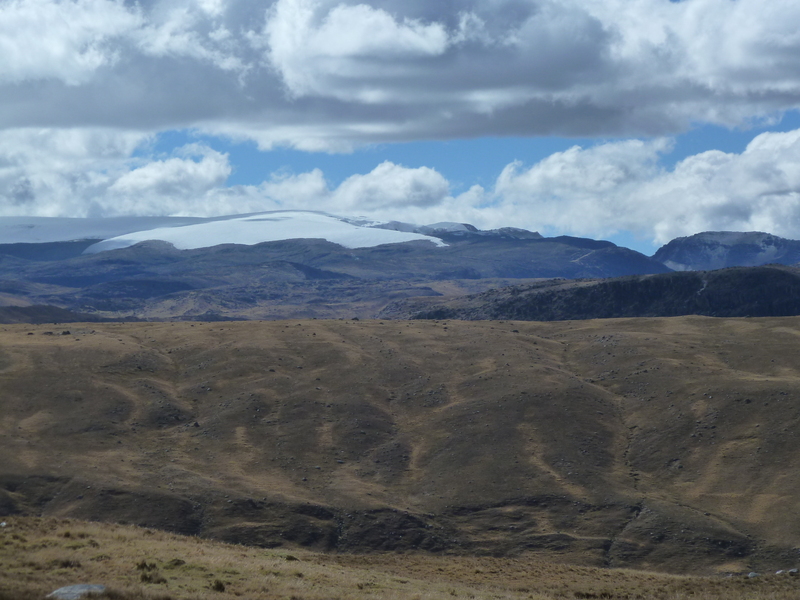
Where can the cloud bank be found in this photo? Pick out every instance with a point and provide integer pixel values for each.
(334, 74)
(596, 191)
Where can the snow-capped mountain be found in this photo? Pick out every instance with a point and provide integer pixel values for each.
(265, 227)
(719, 249)
(276, 264)
(190, 233)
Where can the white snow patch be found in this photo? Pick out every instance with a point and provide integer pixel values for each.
(265, 227)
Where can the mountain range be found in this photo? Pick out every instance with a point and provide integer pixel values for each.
(314, 265)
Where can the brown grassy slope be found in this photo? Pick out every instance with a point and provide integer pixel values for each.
(40, 555)
(658, 443)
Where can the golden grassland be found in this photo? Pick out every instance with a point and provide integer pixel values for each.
(38, 555)
(660, 444)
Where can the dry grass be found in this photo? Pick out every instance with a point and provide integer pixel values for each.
(660, 444)
(38, 555)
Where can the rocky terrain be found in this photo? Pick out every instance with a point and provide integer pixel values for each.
(659, 444)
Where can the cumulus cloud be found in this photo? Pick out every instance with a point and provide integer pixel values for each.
(52, 172)
(620, 186)
(97, 173)
(69, 41)
(391, 186)
(108, 173)
(334, 74)
(596, 191)
(346, 51)
(86, 85)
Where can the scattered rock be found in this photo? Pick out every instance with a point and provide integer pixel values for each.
(75, 592)
(753, 574)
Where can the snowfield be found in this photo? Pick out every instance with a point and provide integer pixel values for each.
(265, 227)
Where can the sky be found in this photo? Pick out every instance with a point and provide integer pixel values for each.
(636, 121)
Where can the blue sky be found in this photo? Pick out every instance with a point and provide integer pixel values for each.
(464, 162)
(635, 121)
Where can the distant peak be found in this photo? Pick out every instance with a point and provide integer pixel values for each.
(711, 250)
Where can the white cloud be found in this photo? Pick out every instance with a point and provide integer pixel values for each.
(335, 74)
(107, 173)
(51, 172)
(617, 187)
(391, 186)
(191, 30)
(96, 173)
(595, 191)
(758, 189)
(305, 190)
(169, 186)
(69, 41)
(322, 52)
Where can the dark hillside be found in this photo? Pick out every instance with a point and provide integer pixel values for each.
(736, 292)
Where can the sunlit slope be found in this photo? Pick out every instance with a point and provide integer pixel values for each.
(665, 443)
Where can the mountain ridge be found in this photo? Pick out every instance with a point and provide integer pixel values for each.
(293, 278)
(772, 290)
(711, 250)
(352, 267)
